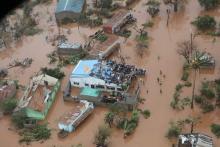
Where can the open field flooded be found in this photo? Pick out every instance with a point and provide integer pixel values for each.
(161, 56)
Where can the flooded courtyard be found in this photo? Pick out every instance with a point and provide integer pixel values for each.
(161, 56)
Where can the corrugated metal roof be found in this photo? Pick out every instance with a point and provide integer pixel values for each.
(70, 5)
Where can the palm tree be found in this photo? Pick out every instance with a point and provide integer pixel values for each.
(109, 118)
(197, 61)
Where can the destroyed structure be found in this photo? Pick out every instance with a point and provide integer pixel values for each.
(7, 89)
(195, 140)
(102, 50)
(68, 10)
(38, 97)
(65, 48)
(118, 21)
(70, 121)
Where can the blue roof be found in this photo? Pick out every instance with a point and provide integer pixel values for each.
(83, 68)
(70, 5)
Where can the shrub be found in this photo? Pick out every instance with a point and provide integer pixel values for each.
(179, 87)
(54, 72)
(102, 37)
(174, 131)
(19, 118)
(153, 7)
(146, 113)
(188, 84)
(148, 24)
(207, 91)
(39, 132)
(106, 4)
(215, 128)
(207, 107)
(131, 124)
(208, 4)
(96, 22)
(199, 99)
(8, 105)
(32, 31)
(204, 22)
(185, 75)
(105, 13)
(102, 136)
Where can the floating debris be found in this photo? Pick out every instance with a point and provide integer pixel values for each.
(24, 63)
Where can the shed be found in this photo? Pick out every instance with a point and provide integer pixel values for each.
(65, 48)
(68, 9)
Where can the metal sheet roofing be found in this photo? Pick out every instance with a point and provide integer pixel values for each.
(70, 5)
(84, 67)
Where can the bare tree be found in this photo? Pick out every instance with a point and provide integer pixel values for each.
(186, 49)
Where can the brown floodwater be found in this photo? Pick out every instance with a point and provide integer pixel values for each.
(161, 56)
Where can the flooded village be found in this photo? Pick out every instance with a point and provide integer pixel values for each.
(110, 73)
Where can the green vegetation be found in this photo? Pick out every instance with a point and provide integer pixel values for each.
(153, 7)
(146, 113)
(102, 37)
(85, 19)
(215, 128)
(142, 43)
(209, 4)
(207, 107)
(188, 84)
(177, 102)
(39, 132)
(102, 136)
(106, 4)
(199, 99)
(185, 75)
(63, 61)
(18, 119)
(109, 118)
(177, 127)
(205, 23)
(131, 124)
(72, 59)
(54, 72)
(8, 105)
(179, 87)
(174, 131)
(149, 24)
(207, 91)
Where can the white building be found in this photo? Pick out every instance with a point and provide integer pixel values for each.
(82, 76)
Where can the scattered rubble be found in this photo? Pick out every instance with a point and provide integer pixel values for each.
(23, 63)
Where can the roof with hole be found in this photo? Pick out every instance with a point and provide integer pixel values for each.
(70, 5)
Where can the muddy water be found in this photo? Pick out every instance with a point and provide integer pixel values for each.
(161, 56)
